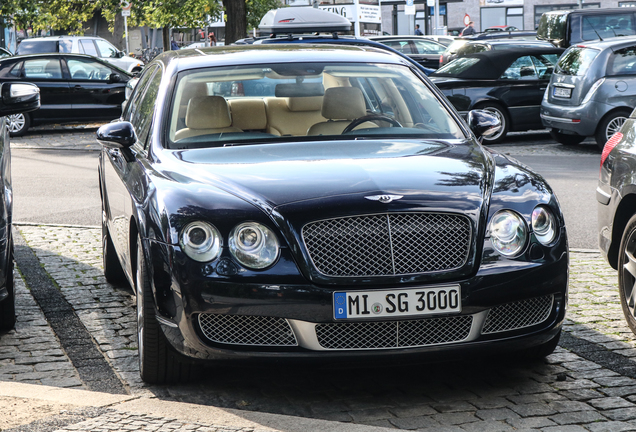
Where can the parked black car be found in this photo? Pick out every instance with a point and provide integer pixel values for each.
(508, 83)
(349, 213)
(73, 87)
(616, 196)
(14, 98)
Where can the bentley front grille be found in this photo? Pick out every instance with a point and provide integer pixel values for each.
(247, 330)
(388, 244)
(517, 315)
(394, 334)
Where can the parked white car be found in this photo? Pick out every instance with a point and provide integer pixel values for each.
(91, 45)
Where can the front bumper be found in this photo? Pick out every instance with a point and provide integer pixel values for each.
(578, 120)
(207, 317)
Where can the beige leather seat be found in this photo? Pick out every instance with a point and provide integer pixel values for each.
(340, 105)
(207, 115)
(248, 114)
(292, 115)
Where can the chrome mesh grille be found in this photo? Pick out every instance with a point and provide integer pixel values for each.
(247, 330)
(388, 244)
(516, 315)
(394, 334)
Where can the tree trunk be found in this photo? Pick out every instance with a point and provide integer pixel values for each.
(118, 32)
(236, 25)
(165, 32)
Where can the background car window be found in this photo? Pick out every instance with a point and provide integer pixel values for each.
(88, 47)
(65, 46)
(84, 69)
(34, 47)
(142, 116)
(472, 49)
(521, 69)
(622, 62)
(603, 26)
(424, 47)
(106, 49)
(42, 69)
(402, 46)
(576, 61)
(137, 93)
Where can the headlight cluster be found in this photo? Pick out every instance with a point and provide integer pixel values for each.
(509, 231)
(252, 244)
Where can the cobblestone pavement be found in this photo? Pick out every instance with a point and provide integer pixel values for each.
(588, 384)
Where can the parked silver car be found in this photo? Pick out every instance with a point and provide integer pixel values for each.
(592, 91)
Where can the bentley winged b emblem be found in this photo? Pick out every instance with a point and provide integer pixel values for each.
(384, 198)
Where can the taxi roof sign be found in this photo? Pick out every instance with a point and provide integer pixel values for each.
(302, 20)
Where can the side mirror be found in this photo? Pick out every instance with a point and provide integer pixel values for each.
(117, 135)
(114, 78)
(120, 54)
(18, 98)
(483, 123)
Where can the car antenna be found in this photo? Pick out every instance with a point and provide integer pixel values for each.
(599, 36)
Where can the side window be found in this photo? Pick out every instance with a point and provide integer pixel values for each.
(622, 62)
(83, 69)
(521, 69)
(42, 69)
(137, 93)
(106, 49)
(11, 70)
(142, 117)
(401, 46)
(65, 46)
(424, 47)
(88, 47)
(544, 64)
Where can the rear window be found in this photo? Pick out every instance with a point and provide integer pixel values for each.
(456, 67)
(576, 61)
(603, 26)
(44, 46)
(455, 45)
(622, 62)
(472, 48)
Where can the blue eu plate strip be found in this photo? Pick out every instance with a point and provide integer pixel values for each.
(340, 304)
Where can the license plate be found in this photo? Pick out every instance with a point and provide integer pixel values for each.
(391, 303)
(562, 92)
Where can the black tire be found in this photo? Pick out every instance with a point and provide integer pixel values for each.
(7, 306)
(609, 125)
(158, 363)
(627, 273)
(565, 139)
(18, 124)
(113, 270)
(500, 113)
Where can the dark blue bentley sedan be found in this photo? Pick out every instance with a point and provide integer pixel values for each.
(297, 201)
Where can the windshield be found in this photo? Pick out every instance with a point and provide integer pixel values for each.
(576, 61)
(269, 103)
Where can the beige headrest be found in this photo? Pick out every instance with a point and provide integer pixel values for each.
(248, 114)
(208, 112)
(311, 103)
(343, 103)
(193, 89)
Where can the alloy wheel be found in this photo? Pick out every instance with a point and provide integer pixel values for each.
(614, 126)
(15, 122)
(628, 285)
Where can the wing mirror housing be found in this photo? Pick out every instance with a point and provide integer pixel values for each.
(114, 78)
(482, 123)
(18, 98)
(117, 135)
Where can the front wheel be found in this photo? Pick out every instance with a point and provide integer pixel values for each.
(18, 124)
(627, 273)
(7, 306)
(158, 363)
(610, 124)
(502, 115)
(566, 139)
(113, 271)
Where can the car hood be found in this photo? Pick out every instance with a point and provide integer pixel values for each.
(275, 175)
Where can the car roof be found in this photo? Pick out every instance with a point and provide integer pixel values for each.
(60, 38)
(499, 35)
(613, 43)
(278, 53)
(492, 64)
(538, 43)
(590, 11)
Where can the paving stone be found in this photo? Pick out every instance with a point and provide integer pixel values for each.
(611, 426)
(581, 417)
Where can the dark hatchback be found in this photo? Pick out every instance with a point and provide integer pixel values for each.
(348, 213)
(508, 83)
(73, 87)
(616, 196)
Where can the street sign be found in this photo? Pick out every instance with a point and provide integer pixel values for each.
(466, 19)
(125, 8)
(125, 13)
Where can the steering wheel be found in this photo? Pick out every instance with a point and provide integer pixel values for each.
(370, 117)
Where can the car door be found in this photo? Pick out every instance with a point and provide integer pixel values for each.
(521, 88)
(46, 73)
(118, 169)
(96, 95)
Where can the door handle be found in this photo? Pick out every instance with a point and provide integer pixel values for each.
(77, 86)
(542, 88)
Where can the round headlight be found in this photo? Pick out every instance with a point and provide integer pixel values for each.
(200, 241)
(543, 225)
(508, 233)
(253, 245)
